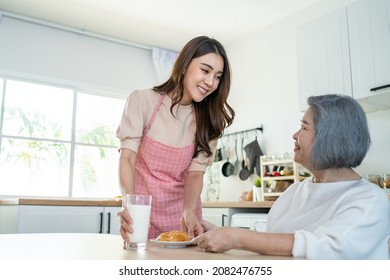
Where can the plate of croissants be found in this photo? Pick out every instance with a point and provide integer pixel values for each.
(173, 239)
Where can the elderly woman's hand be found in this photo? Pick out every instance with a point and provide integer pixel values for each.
(207, 225)
(217, 240)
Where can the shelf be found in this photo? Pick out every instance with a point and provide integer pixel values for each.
(295, 177)
(278, 162)
(278, 178)
(283, 178)
(272, 194)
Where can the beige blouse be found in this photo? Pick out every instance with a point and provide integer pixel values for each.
(169, 130)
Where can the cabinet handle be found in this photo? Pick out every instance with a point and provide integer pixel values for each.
(381, 87)
(223, 219)
(101, 222)
(109, 222)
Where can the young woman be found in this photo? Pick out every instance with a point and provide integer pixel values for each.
(336, 214)
(168, 137)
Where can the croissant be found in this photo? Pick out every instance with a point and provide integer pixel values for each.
(173, 236)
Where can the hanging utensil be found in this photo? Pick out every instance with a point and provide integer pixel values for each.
(237, 162)
(253, 152)
(227, 167)
(244, 173)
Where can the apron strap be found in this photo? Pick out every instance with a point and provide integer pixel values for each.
(154, 113)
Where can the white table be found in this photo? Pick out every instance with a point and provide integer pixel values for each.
(85, 246)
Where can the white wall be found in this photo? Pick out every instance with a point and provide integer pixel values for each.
(265, 91)
(35, 51)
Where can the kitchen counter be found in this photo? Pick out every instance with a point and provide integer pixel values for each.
(237, 204)
(83, 246)
(59, 201)
(118, 202)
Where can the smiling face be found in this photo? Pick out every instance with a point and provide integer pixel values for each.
(202, 77)
(304, 139)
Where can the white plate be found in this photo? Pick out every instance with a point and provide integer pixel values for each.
(171, 244)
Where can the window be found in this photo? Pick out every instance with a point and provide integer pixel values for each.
(57, 141)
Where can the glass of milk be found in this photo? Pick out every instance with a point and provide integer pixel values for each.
(138, 207)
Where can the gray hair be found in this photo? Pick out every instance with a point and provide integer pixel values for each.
(342, 136)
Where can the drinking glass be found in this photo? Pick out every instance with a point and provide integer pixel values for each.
(139, 207)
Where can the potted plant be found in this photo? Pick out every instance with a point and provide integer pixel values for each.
(257, 182)
(256, 189)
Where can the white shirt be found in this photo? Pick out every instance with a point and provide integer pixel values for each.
(340, 220)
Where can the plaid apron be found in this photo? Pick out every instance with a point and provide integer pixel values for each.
(161, 171)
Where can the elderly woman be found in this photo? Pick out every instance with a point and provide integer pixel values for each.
(335, 214)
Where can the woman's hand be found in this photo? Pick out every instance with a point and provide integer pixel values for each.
(192, 190)
(125, 221)
(190, 224)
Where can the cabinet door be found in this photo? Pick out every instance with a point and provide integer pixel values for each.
(217, 216)
(46, 219)
(323, 57)
(9, 218)
(369, 31)
(111, 220)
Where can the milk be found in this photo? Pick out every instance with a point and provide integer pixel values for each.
(141, 218)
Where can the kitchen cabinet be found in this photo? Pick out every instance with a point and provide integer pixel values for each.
(297, 171)
(217, 216)
(252, 221)
(8, 218)
(347, 52)
(323, 57)
(111, 222)
(67, 219)
(369, 34)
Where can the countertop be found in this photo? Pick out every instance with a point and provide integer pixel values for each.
(237, 204)
(118, 202)
(85, 246)
(55, 201)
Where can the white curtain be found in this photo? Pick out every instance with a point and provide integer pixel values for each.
(163, 61)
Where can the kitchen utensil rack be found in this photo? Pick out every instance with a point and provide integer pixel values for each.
(260, 128)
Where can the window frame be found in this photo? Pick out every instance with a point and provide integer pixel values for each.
(76, 92)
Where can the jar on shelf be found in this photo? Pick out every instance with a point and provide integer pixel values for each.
(386, 181)
(374, 178)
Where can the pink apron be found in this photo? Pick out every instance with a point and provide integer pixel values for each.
(161, 171)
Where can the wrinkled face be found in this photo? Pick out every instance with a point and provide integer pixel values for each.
(202, 77)
(304, 139)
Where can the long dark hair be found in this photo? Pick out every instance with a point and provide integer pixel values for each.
(213, 114)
